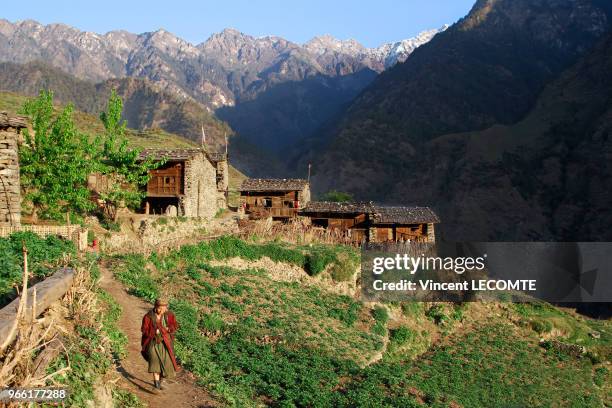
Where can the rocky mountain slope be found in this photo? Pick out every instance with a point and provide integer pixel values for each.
(225, 68)
(487, 70)
(271, 91)
(146, 106)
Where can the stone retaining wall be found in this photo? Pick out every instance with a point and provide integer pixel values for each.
(159, 231)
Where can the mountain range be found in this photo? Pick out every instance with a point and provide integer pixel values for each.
(227, 67)
(272, 92)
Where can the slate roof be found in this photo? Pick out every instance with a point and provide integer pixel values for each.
(170, 154)
(380, 214)
(17, 122)
(338, 208)
(182, 154)
(404, 215)
(260, 185)
(216, 157)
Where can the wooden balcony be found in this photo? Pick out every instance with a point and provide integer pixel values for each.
(164, 186)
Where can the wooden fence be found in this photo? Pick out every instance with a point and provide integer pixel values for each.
(297, 232)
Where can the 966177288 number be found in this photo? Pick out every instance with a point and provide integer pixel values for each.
(32, 394)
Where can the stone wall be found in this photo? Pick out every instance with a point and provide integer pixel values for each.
(431, 233)
(304, 196)
(200, 199)
(10, 190)
(145, 233)
(222, 175)
(222, 183)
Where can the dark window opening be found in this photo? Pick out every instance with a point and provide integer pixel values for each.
(159, 205)
(320, 222)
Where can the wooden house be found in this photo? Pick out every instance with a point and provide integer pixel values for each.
(365, 221)
(348, 218)
(186, 184)
(402, 224)
(280, 199)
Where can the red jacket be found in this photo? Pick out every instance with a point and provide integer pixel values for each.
(149, 328)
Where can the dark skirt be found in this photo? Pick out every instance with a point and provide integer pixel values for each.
(159, 360)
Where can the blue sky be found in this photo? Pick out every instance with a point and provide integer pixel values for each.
(371, 23)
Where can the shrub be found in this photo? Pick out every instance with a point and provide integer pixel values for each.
(412, 309)
(315, 264)
(380, 314)
(437, 314)
(44, 256)
(601, 375)
(347, 315)
(401, 335)
(337, 196)
(343, 268)
(541, 326)
(379, 329)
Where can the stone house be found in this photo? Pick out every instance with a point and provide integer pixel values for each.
(366, 221)
(280, 199)
(220, 162)
(10, 188)
(187, 184)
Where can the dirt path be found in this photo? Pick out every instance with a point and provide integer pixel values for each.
(180, 392)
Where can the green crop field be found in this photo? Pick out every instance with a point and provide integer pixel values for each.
(254, 340)
(45, 255)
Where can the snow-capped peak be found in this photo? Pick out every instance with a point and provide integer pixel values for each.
(385, 56)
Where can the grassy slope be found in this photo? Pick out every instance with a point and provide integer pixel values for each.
(12, 102)
(154, 138)
(145, 104)
(252, 338)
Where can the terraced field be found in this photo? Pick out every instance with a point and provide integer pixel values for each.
(256, 340)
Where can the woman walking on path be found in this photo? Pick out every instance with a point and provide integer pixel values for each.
(158, 328)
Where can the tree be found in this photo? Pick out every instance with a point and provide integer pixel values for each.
(337, 196)
(120, 163)
(56, 160)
